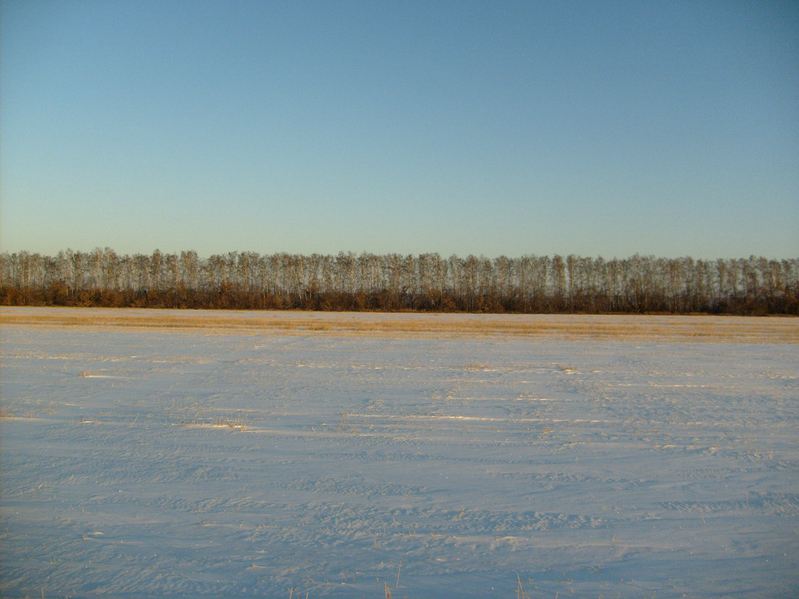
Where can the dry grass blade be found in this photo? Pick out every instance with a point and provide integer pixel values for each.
(520, 594)
(398, 571)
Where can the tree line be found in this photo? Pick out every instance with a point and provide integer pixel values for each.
(394, 282)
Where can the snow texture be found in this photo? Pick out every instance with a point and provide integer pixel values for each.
(172, 464)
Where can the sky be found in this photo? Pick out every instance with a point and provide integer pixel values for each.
(596, 128)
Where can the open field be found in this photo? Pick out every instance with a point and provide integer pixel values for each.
(714, 329)
(151, 453)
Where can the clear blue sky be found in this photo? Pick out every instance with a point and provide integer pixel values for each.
(594, 128)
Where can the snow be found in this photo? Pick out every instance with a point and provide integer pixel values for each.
(158, 463)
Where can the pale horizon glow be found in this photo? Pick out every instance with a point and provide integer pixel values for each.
(597, 129)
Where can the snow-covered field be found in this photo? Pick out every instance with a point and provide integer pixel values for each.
(299, 462)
